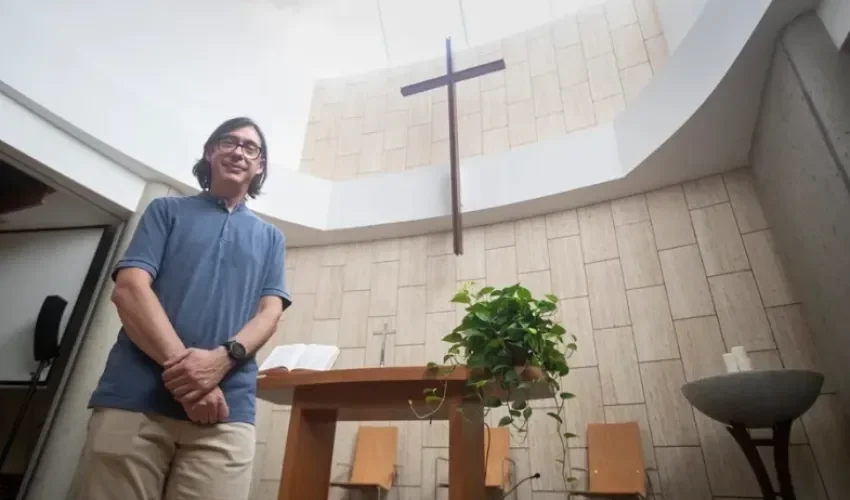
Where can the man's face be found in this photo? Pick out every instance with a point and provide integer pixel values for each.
(236, 157)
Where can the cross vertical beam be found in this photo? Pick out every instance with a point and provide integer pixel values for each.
(449, 80)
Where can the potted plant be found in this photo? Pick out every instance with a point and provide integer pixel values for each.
(510, 341)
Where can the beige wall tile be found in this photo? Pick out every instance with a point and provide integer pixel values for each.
(630, 210)
(541, 51)
(393, 160)
(304, 278)
(628, 45)
(687, 288)
(620, 13)
(595, 37)
(326, 331)
(329, 292)
(598, 240)
(656, 48)
(742, 318)
(515, 48)
(550, 126)
(496, 141)
(671, 220)
(395, 132)
(440, 243)
(418, 146)
(420, 109)
(471, 264)
(705, 192)
(585, 408)
(572, 68)
(437, 326)
(375, 329)
(544, 450)
(793, 338)
(470, 136)
(563, 223)
(829, 434)
(346, 167)
(607, 109)
(532, 248)
(522, 127)
(468, 97)
(374, 114)
(412, 261)
(517, 82)
(648, 17)
(670, 416)
(273, 458)
(384, 297)
(499, 235)
(574, 315)
(539, 283)
(565, 30)
(770, 274)
(354, 319)
(652, 324)
(639, 255)
(411, 315)
(434, 471)
(634, 79)
(439, 121)
(604, 76)
(682, 473)
(618, 366)
(578, 107)
(608, 305)
(440, 283)
(386, 250)
(350, 134)
(494, 109)
(719, 240)
(501, 266)
(745, 201)
(634, 413)
(701, 346)
(547, 94)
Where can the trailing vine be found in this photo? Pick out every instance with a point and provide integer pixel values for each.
(511, 344)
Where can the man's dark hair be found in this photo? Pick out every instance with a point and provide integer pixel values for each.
(202, 167)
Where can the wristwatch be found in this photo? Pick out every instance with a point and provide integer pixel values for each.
(235, 350)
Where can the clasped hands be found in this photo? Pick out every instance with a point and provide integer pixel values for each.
(192, 377)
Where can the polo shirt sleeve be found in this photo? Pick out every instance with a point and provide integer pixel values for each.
(147, 246)
(275, 284)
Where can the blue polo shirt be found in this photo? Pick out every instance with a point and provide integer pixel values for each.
(210, 267)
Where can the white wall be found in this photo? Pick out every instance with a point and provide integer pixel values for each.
(34, 265)
(835, 15)
(678, 16)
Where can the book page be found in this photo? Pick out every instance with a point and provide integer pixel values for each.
(284, 356)
(318, 357)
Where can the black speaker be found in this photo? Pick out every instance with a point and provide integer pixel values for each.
(46, 339)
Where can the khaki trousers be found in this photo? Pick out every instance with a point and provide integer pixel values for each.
(136, 456)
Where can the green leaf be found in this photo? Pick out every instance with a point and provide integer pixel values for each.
(453, 338)
(505, 421)
(569, 435)
(551, 298)
(558, 330)
(555, 416)
(432, 399)
(447, 357)
(461, 298)
(429, 391)
(526, 413)
(567, 395)
(519, 405)
(431, 365)
(487, 290)
(493, 402)
(523, 294)
(515, 413)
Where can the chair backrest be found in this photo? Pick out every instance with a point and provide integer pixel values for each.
(615, 459)
(375, 456)
(498, 465)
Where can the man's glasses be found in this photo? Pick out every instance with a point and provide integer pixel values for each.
(249, 149)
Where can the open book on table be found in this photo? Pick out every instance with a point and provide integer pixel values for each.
(301, 357)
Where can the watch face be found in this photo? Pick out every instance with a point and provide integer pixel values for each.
(237, 350)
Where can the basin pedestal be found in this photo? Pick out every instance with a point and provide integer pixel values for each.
(779, 442)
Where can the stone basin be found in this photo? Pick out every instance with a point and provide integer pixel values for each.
(755, 399)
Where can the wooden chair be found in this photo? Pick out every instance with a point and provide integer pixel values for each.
(374, 466)
(615, 463)
(498, 464)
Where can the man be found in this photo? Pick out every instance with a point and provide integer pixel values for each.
(199, 291)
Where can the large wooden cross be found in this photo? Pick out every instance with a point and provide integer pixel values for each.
(449, 80)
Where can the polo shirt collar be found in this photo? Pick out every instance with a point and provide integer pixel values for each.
(206, 195)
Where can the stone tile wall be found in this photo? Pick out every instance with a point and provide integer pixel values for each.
(655, 286)
(578, 72)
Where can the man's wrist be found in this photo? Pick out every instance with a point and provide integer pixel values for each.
(225, 361)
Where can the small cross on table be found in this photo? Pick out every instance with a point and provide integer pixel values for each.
(449, 80)
(386, 331)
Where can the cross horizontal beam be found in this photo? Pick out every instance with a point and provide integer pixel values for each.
(442, 81)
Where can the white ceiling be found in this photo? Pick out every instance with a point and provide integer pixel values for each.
(352, 36)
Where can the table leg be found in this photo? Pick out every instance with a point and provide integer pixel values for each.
(309, 454)
(466, 445)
